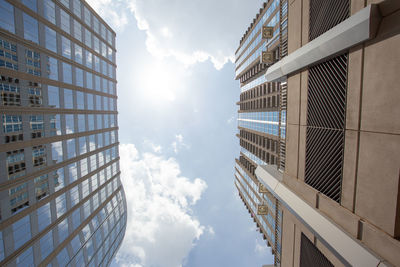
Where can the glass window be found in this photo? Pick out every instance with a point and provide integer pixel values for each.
(55, 125)
(80, 100)
(90, 101)
(74, 195)
(96, 64)
(88, 38)
(52, 68)
(105, 103)
(97, 83)
(96, 44)
(78, 54)
(104, 67)
(89, 59)
(65, 24)
(46, 244)
(25, 258)
(89, 80)
(82, 145)
(50, 11)
(76, 221)
(91, 122)
(84, 171)
(99, 137)
(68, 99)
(67, 73)
(31, 4)
(103, 31)
(62, 230)
(81, 123)
(53, 95)
(7, 16)
(96, 25)
(103, 49)
(56, 151)
(12, 123)
(51, 40)
(77, 8)
(30, 28)
(61, 205)
(70, 124)
(71, 148)
(99, 121)
(88, 16)
(106, 121)
(59, 181)
(66, 47)
(109, 53)
(79, 76)
(93, 159)
(73, 172)
(77, 30)
(63, 257)
(43, 216)
(105, 85)
(92, 143)
(98, 102)
(21, 231)
(65, 3)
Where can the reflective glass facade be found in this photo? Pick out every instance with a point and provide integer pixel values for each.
(262, 118)
(62, 202)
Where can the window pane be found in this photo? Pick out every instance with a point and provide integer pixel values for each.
(71, 148)
(77, 8)
(65, 26)
(51, 40)
(54, 98)
(59, 181)
(43, 216)
(50, 11)
(79, 77)
(52, 68)
(31, 4)
(7, 16)
(67, 73)
(70, 124)
(80, 100)
(25, 258)
(56, 151)
(30, 28)
(65, 47)
(21, 231)
(89, 80)
(77, 30)
(46, 244)
(68, 99)
(78, 54)
(81, 123)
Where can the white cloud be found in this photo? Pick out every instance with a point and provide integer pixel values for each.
(230, 120)
(210, 230)
(190, 31)
(159, 210)
(178, 143)
(261, 247)
(154, 147)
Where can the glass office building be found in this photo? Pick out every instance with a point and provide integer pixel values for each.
(262, 118)
(62, 202)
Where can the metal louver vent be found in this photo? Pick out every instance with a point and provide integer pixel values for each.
(325, 15)
(324, 161)
(326, 109)
(311, 256)
(327, 84)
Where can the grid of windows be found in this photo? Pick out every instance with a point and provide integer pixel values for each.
(73, 41)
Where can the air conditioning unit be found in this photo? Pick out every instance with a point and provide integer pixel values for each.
(262, 209)
(267, 32)
(267, 57)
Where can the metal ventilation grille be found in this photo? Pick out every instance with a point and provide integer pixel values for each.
(326, 109)
(325, 15)
(311, 256)
(327, 84)
(324, 161)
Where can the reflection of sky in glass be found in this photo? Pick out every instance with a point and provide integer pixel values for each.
(56, 151)
(44, 216)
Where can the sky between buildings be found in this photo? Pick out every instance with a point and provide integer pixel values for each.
(177, 119)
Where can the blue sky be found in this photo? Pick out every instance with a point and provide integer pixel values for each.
(177, 119)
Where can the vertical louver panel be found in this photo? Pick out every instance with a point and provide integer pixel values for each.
(326, 109)
(325, 15)
(311, 256)
(283, 106)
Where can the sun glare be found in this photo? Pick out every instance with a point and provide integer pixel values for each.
(160, 83)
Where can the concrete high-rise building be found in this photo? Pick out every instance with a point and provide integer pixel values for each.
(62, 202)
(335, 175)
